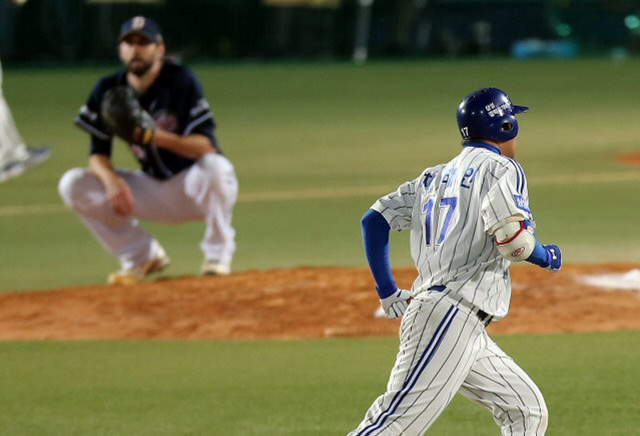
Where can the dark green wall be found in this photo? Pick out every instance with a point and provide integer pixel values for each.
(74, 30)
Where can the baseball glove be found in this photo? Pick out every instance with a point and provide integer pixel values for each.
(123, 115)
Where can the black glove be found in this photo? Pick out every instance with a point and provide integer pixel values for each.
(123, 115)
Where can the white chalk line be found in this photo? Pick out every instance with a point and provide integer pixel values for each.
(347, 192)
(39, 209)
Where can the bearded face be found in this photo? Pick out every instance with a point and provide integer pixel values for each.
(139, 53)
(139, 66)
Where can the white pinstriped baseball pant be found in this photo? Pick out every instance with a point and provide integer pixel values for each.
(444, 349)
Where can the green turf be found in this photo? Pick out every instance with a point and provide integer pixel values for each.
(298, 132)
(590, 382)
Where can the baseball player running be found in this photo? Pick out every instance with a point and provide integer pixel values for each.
(159, 109)
(15, 156)
(469, 219)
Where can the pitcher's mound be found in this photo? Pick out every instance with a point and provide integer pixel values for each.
(297, 303)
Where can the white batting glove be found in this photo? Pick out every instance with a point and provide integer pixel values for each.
(396, 304)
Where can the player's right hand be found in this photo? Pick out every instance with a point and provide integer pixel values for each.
(396, 304)
(120, 196)
(554, 257)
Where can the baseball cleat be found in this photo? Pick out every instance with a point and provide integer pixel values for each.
(34, 157)
(215, 268)
(136, 275)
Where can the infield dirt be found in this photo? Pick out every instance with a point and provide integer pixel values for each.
(296, 303)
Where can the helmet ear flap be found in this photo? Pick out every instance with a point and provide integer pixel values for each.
(508, 128)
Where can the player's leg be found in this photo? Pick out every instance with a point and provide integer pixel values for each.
(208, 190)
(212, 185)
(439, 343)
(121, 236)
(15, 157)
(12, 146)
(499, 384)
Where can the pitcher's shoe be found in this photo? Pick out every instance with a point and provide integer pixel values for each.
(215, 267)
(137, 274)
(34, 157)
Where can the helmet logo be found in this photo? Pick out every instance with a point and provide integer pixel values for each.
(465, 132)
(492, 110)
(500, 110)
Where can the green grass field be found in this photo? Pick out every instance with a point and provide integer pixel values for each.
(292, 388)
(314, 145)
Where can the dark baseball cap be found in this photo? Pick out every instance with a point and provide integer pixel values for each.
(140, 25)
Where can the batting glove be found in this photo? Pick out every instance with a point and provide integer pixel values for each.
(396, 304)
(554, 257)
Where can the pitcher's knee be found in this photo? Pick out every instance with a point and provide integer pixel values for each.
(67, 183)
(219, 173)
(212, 164)
(76, 187)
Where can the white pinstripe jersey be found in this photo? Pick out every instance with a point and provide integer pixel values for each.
(451, 210)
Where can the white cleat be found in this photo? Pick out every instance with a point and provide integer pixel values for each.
(136, 275)
(215, 268)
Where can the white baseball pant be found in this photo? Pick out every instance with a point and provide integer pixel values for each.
(206, 191)
(444, 349)
(12, 147)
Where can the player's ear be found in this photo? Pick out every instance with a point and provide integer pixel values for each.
(162, 49)
(121, 48)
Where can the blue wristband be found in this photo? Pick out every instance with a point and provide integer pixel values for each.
(540, 256)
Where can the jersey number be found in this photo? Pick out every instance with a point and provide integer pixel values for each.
(449, 202)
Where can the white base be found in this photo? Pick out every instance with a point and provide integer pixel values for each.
(627, 281)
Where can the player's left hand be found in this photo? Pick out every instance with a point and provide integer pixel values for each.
(554, 257)
(396, 304)
(123, 115)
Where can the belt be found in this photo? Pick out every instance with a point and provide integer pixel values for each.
(483, 316)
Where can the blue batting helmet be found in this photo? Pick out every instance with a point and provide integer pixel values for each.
(488, 114)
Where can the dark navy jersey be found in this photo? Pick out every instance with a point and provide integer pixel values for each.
(175, 101)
